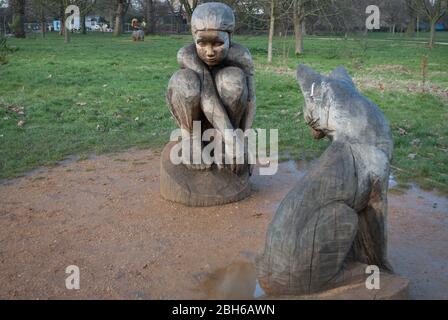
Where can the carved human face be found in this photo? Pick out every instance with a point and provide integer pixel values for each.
(212, 46)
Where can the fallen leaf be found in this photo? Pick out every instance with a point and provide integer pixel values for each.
(402, 132)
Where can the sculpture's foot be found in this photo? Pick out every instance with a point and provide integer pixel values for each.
(200, 188)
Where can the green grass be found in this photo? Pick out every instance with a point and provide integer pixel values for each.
(102, 94)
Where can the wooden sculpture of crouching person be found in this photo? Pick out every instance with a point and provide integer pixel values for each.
(215, 82)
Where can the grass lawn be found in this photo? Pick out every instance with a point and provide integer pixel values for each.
(102, 94)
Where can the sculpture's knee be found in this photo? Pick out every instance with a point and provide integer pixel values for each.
(231, 83)
(184, 84)
(184, 97)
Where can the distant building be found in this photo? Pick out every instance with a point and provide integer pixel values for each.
(92, 23)
(56, 25)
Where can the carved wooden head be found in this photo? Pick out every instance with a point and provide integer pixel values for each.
(335, 108)
(212, 24)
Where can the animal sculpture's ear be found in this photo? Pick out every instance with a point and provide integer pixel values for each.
(341, 73)
(308, 79)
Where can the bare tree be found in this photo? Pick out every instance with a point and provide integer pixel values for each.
(301, 10)
(37, 10)
(412, 16)
(18, 18)
(271, 29)
(393, 14)
(85, 7)
(66, 32)
(149, 12)
(299, 15)
(433, 10)
(189, 6)
(121, 8)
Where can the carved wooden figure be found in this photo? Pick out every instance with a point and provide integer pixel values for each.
(138, 35)
(214, 86)
(336, 216)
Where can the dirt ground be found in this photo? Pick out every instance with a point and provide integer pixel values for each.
(105, 215)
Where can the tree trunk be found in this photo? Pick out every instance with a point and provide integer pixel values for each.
(82, 21)
(298, 34)
(418, 26)
(119, 19)
(66, 31)
(410, 28)
(189, 8)
(271, 31)
(298, 21)
(66, 35)
(62, 18)
(18, 18)
(43, 28)
(43, 22)
(432, 33)
(150, 17)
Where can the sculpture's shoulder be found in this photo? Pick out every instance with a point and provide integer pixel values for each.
(240, 56)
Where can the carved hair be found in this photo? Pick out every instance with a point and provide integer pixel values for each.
(213, 16)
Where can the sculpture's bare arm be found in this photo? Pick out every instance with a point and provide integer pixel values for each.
(211, 104)
(238, 56)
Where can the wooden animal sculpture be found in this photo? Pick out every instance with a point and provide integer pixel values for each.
(138, 35)
(336, 215)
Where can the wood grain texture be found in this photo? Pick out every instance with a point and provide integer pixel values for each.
(337, 214)
(214, 87)
(200, 188)
(138, 35)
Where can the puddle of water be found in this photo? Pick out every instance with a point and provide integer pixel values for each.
(258, 291)
(392, 182)
(424, 201)
(237, 281)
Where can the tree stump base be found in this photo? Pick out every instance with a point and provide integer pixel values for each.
(392, 287)
(196, 188)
